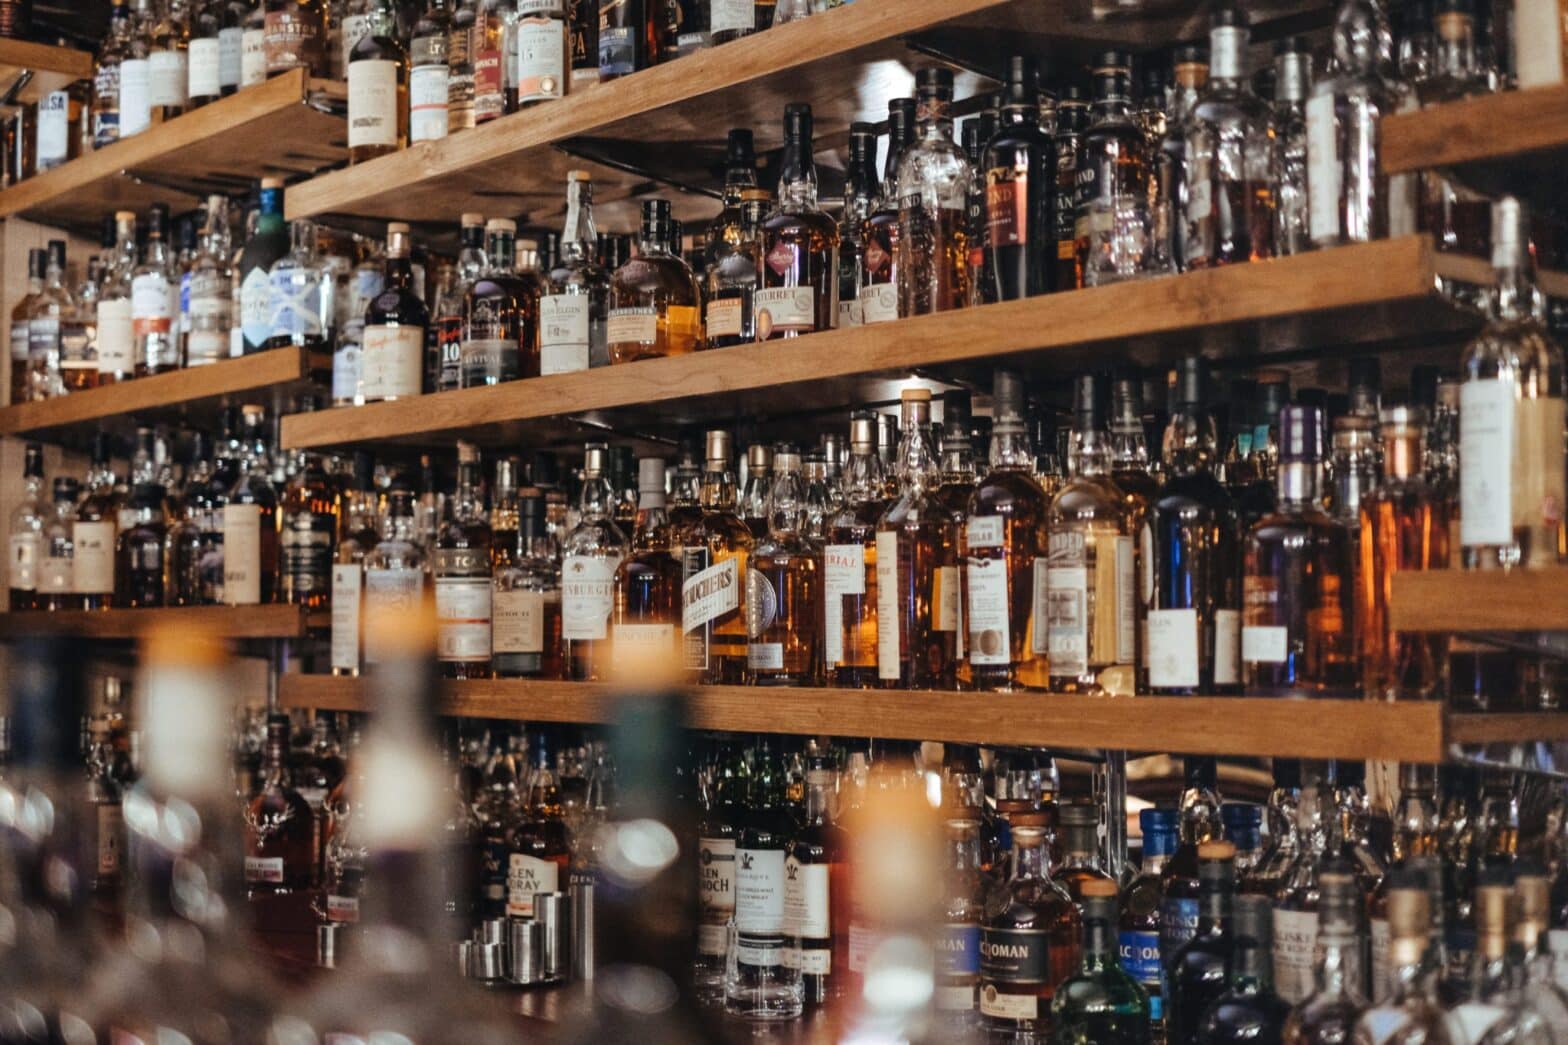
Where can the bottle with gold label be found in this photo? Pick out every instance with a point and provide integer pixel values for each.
(590, 555)
(647, 621)
(654, 298)
(799, 289)
(525, 612)
(460, 566)
(715, 556)
(849, 564)
(784, 585)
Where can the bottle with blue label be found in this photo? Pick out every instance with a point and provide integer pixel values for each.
(1200, 822)
(1244, 829)
(958, 941)
(268, 243)
(300, 310)
(1141, 908)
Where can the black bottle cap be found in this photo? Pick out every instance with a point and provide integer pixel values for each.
(1189, 384)
(1043, 429)
(364, 470)
(969, 138)
(1365, 380)
(1252, 917)
(1273, 396)
(901, 121)
(103, 448)
(1089, 402)
(544, 471)
(530, 516)
(739, 150)
(862, 140)
(934, 82)
(1071, 93)
(1151, 85)
(1023, 81)
(1225, 14)
(1078, 814)
(797, 122)
(57, 253)
(48, 683)
(1424, 378)
(109, 234)
(1190, 54)
(37, 263)
(1007, 396)
(1301, 434)
(66, 489)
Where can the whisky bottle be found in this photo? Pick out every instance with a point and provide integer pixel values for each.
(1292, 84)
(460, 66)
(799, 289)
(647, 615)
(1080, 844)
(1091, 572)
(250, 522)
(1005, 536)
(428, 73)
(878, 280)
(253, 46)
(717, 830)
(1141, 902)
(1511, 408)
(112, 52)
(590, 555)
(732, 19)
(1411, 1013)
(958, 946)
(1030, 943)
(392, 356)
(1019, 169)
(654, 298)
(377, 87)
(267, 243)
(168, 62)
(51, 311)
(139, 555)
(395, 573)
(1298, 621)
(501, 315)
(784, 591)
(1190, 68)
(933, 187)
(1298, 900)
(1228, 156)
(1111, 208)
(1197, 972)
(359, 535)
(623, 37)
(1072, 118)
(537, 846)
(917, 556)
(574, 306)
(209, 337)
(761, 981)
(155, 301)
(816, 911)
(1329, 1013)
(301, 311)
(460, 569)
(1248, 1011)
(730, 286)
(21, 312)
(526, 601)
(715, 557)
(449, 311)
(1101, 1002)
(296, 36)
(849, 565)
(861, 188)
(56, 566)
(280, 828)
(25, 538)
(740, 174)
(308, 520)
(756, 494)
(542, 44)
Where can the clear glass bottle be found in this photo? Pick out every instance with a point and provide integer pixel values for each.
(1249, 1012)
(460, 571)
(1141, 903)
(849, 569)
(878, 292)
(784, 589)
(500, 315)
(359, 534)
(1496, 1010)
(300, 305)
(933, 186)
(1030, 943)
(136, 73)
(1190, 69)
(732, 279)
(53, 309)
(816, 905)
(655, 301)
(154, 288)
(21, 312)
(1292, 86)
(715, 559)
(575, 305)
(168, 61)
(526, 607)
(250, 521)
(1111, 208)
(798, 291)
(1298, 900)
(590, 555)
(1412, 1014)
(760, 983)
(958, 953)
(106, 77)
(1328, 1015)
(646, 627)
(209, 338)
(56, 567)
(26, 536)
(861, 187)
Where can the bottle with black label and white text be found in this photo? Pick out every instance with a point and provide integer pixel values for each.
(575, 304)
(460, 570)
(1030, 941)
(590, 554)
(763, 979)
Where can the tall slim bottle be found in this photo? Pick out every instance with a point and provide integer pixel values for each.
(878, 292)
(26, 536)
(716, 552)
(590, 555)
(575, 305)
(849, 569)
(155, 300)
(1020, 189)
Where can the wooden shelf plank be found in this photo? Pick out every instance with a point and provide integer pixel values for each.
(1480, 600)
(193, 393)
(1209, 725)
(52, 68)
(1507, 727)
(234, 622)
(221, 147)
(1370, 291)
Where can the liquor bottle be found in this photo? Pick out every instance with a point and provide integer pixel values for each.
(582, 18)
(209, 338)
(734, 274)
(1512, 393)
(460, 66)
(185, 526)
(1020, 170)
(798, 293)
(879, 282)
(849, 565)
(253, 46)
(58, 129)
(784, 595)
(526, 601)
(542, 43)
(280, 828)
(308, 528)
(203, 72)
(501, 313)
(715, 558)
(574, 305)
(1101, 1002)
(590, 555)
(51, 310)
(377, 87)
(359, 535)
(136, 73)
(268, 243)
(646, 624)
(1298, 899)
(1292, 85)
(79, 332)
(395, 572)
(1248, 1011)
(300, 310)
(1230, 199)
(655, 302)
(1493, 1013)
(250, 524)
(933, 185)
(21, 313)
(1535, 981)
(972, 139)
(1111, 207)
(56, 564)
(460, 569)
(1005, 536)
(1411, 1013)
(762, 982)
(1072, 119)
(167, 62)
(958, 947)
(231, 17)
(537, 849)
(428, 73)
(917, 559)
(296, 36)
(112, 52)
(816, 909)
(449, 313)
(623, 38)
(861, 188)
(26, 536)
(1197, 972)
(1030, 943)
(754, 496)
(154, 301)
(139, 553)
(1330, 1012)
(93, 531)
(1141, 903)
(717, 830)
(1190, 68)
(740, 174)
(1080, 844)
(392, 358)
(116, 338)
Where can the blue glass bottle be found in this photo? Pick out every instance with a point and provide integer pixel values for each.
(1139, 939)
(1101, 1004)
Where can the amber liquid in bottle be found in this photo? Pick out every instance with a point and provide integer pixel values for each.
(850, 565)
(784, 594)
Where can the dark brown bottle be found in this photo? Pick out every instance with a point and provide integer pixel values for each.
(1019, 168)
(280, 828)
(1072, 117)
(878, 279)
(1030, 942)
(799, 289)
(460, 565)
(139, 555)
(623, 39)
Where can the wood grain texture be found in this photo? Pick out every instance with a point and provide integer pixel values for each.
(1411, 732)
(52, 68)
(1487, 127)
(235, 622)
(1508, 727)
(1480, 600)
(1238, 311)
(221, 147)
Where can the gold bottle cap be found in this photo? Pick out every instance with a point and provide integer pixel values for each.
(915, 395)
(759, 458)
(719, 449)
(1218, 850)
(786, 461)
(272, 183)
(473, 219)
(1028, 836)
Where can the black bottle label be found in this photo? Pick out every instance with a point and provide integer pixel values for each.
(1015, 956)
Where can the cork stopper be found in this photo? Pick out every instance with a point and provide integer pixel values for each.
(272, 182)
(501, 225)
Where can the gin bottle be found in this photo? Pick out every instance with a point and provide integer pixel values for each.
(300, 307)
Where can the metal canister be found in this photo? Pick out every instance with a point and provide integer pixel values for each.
(581, 893)
(527, 952)
(553, 913)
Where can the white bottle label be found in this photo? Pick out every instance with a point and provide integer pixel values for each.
(985, 531)
(1538, 43)
(733, 15)
(1067, 619)
(1040, 636)
(784, 309)
(1324, 171)
(637, 326)
(463, 619)
(631, 644)
(231, 56)
(1264, 645)
(54, 128)
(888, 605)
(526, 876)
(990, 639)
(347, 580)
(242, 554)
(427, 103)
(588, 595)
(253, 57)
(759, 891)
(206, 67)
(135, 99)
(94, 560)
(765, 656)
(1227, 647)
(843, 573)
(1382, 973)
(878, 303)
(24, 560)
(151, 310)
(392, 362)
(1486, 446)
(372, 103)
(563, 333)
(1173, 648)
(1295, 936)
(948, 599)
(723, 317)
(169, 78)
(715, 890)
(806, 908)
(710, 594)
(256, 306)
(389, 591)
(208, 338)
(541, 59)
(517, 621)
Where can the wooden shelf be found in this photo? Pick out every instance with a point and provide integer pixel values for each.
(1409, 732)
(1368, 292)
(196, 394)
(280, 127)
(233, 622)
(33, 70)
(1480, 600)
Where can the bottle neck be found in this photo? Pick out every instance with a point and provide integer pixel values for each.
(917, 466)
(863, 476)
(597, 497)
(1298, 484)
(400, 523)
(501, 252)
(1010, 448)
(579, 238)
(1513, 291)
(1091, 453)
(1189, 442)
(270, 217)
(1030, 862)
(798, 177)
(718, 488)
(935, 120)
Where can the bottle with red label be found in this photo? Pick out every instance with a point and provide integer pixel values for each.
(799, 289)
(280, 828)
(1019, 168)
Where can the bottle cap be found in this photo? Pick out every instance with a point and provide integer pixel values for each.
(1240, 816)
(719, 449)
(956, 413)
(759, 458)
(531, 524)
(580, 176)
(1510, 232)
(1007, 397)
(934, 81)
(1022, 86)
(504, 225)
(595, 457)
(467, 453)
(1216, 851)
(862, 432)
(900, 122)
(739, 149)
(1301, 434)
(656, 212)
(57, 253)
(472, 219)
(786, 459)
(650, 475)
(1127, 404)
(1161, 828)
(397, 228)
(1189, 383)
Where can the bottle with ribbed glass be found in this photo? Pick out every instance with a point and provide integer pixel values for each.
(798, 292)
(574, 305)
(917, 557)
(849, 564)
(460, 567)
(501, 315)
(715, 560)
(933, 186)
(590, 554)
(783, 585)
(861, 188)
(878, 290)
(655, 301)
(646, 625)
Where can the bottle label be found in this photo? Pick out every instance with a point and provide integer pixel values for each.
(305, 551)
(24, 561)
(94, 559)
(1538, 472)
(990, 639)
(587, 596)
(54, 127)
(169, 78)
(759, 891)
(211, 312)
(541, 59)
(106, 121)
(57, 575)
(617, 49)
(1486, 438)
(241, 554)
(372, 103)
(1295, 935)
(637, 326)
(343, 909)
(489, 88)
(723, 317)
(264, 869)
(206, 67)
(487, 360)
(395, 590)
(806, 907)
(764, 952)
(843, 573)
(765, 656)
(43, 341)
(1227, 647)
(1140, 957)
(427, 102)
(710, 594)
(19, 339)
(347, 579)
(1020, 956)
(631, 645)
(889, 610)
(958, 951)
(293, 40)
(985, 531)
(563, 333)
(732, 16)
(1172, 651)
(392, 362)
(135, 96)
(1007, 205)
(1382, 968)
(947, 598)
(347, 374)
(1178, 922)
(878, 303)
(151, 311)
(296, 303)
(784, 310)
(256, 306)
(253, 57)
(462, 619)
(231, 57)
(111, 826)
(1324, 170)
(526, 876)
(517, 621)
(716, 884)
(1264, 645)
(1066, 613)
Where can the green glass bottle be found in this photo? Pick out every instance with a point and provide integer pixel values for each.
(1100, 1004)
